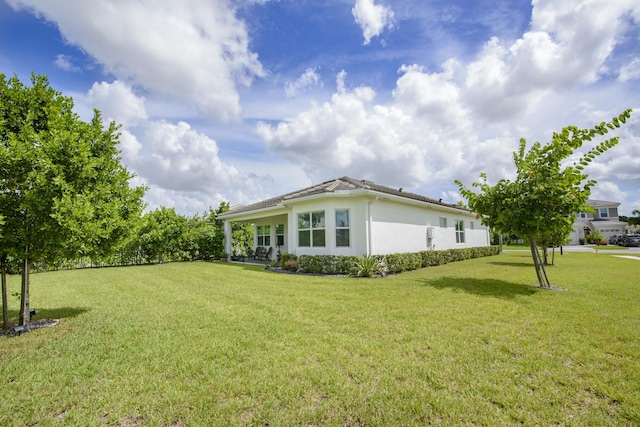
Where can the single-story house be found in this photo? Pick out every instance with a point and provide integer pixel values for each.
(604, 220)
(347, 216)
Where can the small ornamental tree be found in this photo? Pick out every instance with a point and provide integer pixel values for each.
(596, 237)
(546, 195)
(63, 190)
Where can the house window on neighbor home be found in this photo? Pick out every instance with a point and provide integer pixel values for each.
(604, 212)
(342, 228)
(459, 231)
(311, 229)
(471, 225)
(583, 215)
(443, 222)
(280, 234)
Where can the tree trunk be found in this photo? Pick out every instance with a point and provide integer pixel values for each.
(543, 280)
(25, 312)
(5, 302)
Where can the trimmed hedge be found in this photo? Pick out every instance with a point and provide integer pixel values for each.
(396, 263)
(327, 264)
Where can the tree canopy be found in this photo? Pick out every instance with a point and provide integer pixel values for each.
(547, 193)
(63, 189)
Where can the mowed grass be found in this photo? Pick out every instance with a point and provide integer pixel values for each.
(221, 344)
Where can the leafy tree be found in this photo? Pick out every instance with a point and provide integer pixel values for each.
(551, 238)
(161, 235)
(242, 239)
(546, 195)
(595, 237)
(63, 190)
(242, 233)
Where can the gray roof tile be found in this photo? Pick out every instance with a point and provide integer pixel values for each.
(344, 183)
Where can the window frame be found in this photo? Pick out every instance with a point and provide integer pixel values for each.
(442, 221)
(314, 230)
(263, 235)
(279, 235)
(460, 238)
(342, 228)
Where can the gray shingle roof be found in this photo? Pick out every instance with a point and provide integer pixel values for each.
(339, 184)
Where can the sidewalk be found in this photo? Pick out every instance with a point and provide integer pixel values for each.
(592, 249)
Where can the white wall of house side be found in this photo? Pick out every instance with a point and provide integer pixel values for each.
(398, 228)
(357, 225)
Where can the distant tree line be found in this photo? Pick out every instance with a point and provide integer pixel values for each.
(158, 236)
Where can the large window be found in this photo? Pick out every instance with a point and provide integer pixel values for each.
(342, 228)
(311, 229)
(443, 222)
(604, 213)
(280, 234)
(264, 235)
(459, 231)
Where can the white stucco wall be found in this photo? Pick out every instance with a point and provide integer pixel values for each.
(394, 227)
(357, 230)
(400, 228)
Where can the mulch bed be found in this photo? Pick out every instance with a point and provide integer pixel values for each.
(36, 324)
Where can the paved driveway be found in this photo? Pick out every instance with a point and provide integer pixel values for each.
(618, 250)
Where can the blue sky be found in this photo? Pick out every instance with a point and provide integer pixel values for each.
(243, 100)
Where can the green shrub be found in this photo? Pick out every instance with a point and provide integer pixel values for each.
(327, 264)
(369, 266)
(393, 263)
(290, 265)
(397, 263)
(286, 257)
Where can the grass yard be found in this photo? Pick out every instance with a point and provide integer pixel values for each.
(201, 344)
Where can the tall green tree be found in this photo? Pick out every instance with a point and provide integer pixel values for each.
(546, 194)
(161, 235)
(63, 189)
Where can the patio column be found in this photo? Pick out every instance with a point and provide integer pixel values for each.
(227, 237)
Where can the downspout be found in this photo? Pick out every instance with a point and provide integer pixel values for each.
(368, 228)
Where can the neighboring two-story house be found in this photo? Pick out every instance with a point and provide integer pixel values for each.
(604, 220)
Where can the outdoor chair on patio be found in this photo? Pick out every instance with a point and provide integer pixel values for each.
(260, 253)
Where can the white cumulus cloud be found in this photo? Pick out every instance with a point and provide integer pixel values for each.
(309, 78)
(372, 18)
(197, 51)
(117, 102)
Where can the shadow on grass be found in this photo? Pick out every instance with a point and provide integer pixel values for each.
(512, 264)
(52, 313)
(484, 287)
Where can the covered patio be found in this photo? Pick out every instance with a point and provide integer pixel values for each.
(269, 238)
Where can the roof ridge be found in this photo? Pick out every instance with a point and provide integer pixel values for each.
(343, 183)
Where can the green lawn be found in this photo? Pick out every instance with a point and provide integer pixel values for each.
(222, 344)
